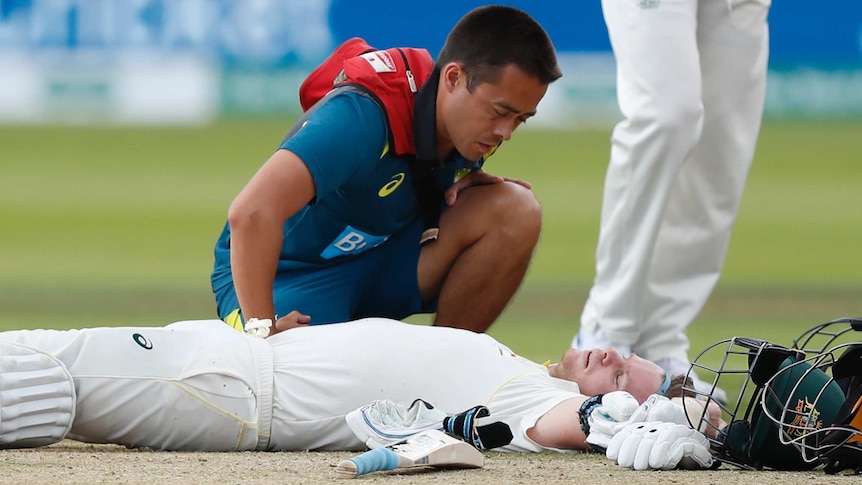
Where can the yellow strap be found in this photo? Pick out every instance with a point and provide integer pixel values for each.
(234, 320)
(856, 421)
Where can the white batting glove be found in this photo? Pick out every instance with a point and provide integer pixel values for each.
(655, 445)
(609, 416)
(659, 408)
(385, 422)
(655, 408)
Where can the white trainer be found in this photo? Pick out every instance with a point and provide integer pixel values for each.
(586, 340)
(675, 367)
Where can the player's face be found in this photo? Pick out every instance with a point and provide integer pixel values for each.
(601, 371)
(474, 123)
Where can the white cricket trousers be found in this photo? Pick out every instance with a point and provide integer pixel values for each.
(198, 386)
(691, 78)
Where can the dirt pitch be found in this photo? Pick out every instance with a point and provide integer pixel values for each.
(70, 462)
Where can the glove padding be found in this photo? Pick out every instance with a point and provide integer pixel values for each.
(384, 422)
(604, 426)
(659, 408)
(656, 445)
(483, 437)
(605, 418)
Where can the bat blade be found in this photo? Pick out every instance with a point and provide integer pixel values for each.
(429, 448)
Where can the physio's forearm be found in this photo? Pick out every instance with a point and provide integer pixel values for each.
(254, 250)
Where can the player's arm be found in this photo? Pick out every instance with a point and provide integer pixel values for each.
(280, 188)
(567, 425)
(560, 428)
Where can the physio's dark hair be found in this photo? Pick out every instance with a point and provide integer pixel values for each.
(489, 38)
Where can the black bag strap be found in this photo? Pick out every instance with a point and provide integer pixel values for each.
(428, 191)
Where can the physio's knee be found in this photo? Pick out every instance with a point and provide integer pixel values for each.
(521, 207)
(506, 212)
(514, 213)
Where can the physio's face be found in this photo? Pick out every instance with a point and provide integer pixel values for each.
(474, 123)
(601, 371)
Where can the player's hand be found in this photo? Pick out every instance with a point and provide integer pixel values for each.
(478, 177)
(655, 445)
(659, 408)
(293, 319)
(605, 424)
(613, 411)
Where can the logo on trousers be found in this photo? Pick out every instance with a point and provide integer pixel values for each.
(142, 341)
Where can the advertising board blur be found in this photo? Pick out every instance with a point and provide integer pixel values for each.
(190, 61)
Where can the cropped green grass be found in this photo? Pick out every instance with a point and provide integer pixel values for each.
(115, 226)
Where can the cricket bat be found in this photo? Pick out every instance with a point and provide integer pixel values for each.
(428, 448)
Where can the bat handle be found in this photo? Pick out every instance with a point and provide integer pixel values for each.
(376, 460)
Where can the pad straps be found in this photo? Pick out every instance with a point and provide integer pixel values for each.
(37, 397)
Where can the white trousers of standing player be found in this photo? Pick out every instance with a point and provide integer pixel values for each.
(198, 386)
(691, 77)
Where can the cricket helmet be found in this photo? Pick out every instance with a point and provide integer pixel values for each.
(795, 398)
(819, 338)
(750, 439)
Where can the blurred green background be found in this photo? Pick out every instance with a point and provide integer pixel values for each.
(115, 226)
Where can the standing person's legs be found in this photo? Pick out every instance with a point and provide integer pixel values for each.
(189, 386)
(695, 233)
(658, 88)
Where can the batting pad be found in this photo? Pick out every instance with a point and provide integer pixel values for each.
(37, 397)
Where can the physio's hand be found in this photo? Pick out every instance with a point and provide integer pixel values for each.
(479, 177)
(655, 445)
(293, 319)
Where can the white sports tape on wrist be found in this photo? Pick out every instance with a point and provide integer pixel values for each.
(258, 327)
(37, 397)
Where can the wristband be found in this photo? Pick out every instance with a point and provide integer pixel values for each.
(586, 409)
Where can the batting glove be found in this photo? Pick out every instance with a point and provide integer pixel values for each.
(603, 415)
(659, 408)
(657, 445)
(485, 437)
(385, 422)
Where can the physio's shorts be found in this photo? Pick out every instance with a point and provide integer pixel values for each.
(381, 282)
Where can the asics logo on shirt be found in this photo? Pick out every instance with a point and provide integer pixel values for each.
(391, 185)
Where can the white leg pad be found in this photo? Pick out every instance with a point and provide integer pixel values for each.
(37, 397)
